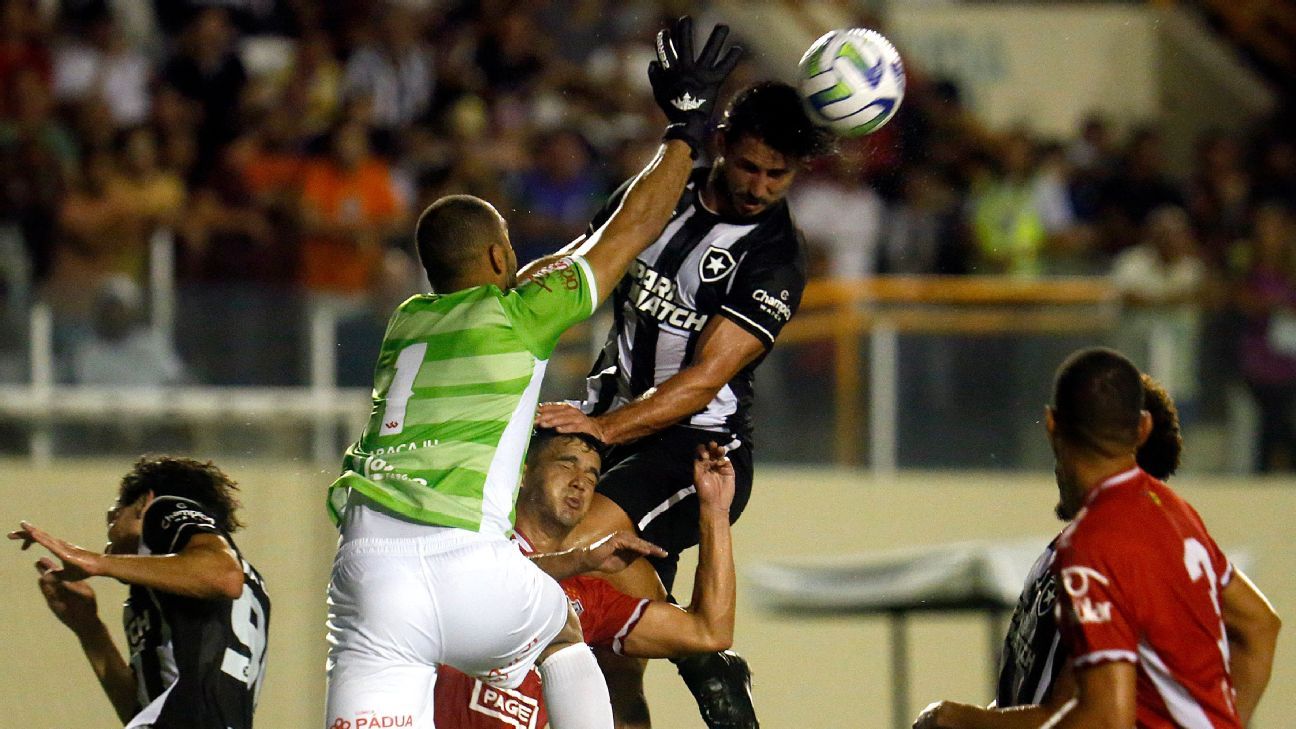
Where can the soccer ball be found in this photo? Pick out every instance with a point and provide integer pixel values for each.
(852, 81)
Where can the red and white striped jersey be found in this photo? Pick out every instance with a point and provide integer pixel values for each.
(1141, 579)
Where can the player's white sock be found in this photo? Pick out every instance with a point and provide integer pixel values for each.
(574, 690)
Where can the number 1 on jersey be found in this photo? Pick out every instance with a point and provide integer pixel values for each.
(401, 389)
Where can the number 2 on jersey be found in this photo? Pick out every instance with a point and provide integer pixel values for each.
(1198, 562)
(401, 389)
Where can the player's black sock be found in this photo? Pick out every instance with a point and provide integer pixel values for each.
(721, 684)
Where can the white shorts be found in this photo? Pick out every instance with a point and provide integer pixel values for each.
(398, 607)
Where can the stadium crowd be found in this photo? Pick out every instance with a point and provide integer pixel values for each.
(285, 145)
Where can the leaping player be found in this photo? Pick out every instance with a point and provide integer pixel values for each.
(697, 313)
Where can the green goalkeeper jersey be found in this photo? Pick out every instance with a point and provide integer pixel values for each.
(455, 394)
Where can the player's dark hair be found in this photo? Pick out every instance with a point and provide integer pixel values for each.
(188, 479)
(451, 233)
(1159, 454)
(771, 111)
(1098, 400)
(542, 437)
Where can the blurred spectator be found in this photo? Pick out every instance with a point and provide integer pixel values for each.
(1219, 195)
(1267, 300)
(1092, 158)
(23, 48)
(1276, 176)
(123, 349)
(98, 64)
(1139, 185)
(107, 218)
(95, 236)
(1095, 148)
(394, 71)
(227, 236)
(841, 217)
(251, 17)
(1009, 229)
(1162, 280)
(349, 207)
(559, 194)
(175, 120)
(311, 85)
(39, 159)
(1068, 240)
(359, 336)
(206, 71)
(508, 53)
(156, 195)
(924, 231)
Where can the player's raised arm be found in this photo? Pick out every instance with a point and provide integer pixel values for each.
(706, 625)
(74, 604)
(205, 568)
(685, 88)
(1252, 626)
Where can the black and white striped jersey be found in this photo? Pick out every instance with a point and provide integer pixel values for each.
(197, 663)
(750, 271)
(1033, 652)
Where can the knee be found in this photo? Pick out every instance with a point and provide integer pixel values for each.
(569, 635)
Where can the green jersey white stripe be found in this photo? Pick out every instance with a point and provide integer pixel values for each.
(455, 392)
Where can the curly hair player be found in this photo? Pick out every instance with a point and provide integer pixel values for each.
(198, 615)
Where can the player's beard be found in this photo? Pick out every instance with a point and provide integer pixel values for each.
(1070, 494)
(735, 200)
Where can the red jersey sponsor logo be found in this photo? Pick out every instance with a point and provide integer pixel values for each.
(510, 707)
(1077, 582)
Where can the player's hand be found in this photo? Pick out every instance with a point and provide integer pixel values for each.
(617, 551)
(567, 419)
(713, 475)
(933, 717)
(77, 563)
(686, 87)
(73, 603)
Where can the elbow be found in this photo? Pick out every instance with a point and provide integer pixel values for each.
(1271, 625)
(716, 640)
(226, 584)
(720, 643)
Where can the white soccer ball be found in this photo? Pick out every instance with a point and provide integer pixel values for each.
(852, 81)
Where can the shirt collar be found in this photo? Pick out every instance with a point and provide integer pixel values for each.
(1115, 480)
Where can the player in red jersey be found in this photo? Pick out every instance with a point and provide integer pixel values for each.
(557, 488)
(1145, 585)
(1035, 677)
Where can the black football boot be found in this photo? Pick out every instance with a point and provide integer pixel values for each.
(721, 684)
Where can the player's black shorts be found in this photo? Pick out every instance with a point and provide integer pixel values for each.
(651, 479)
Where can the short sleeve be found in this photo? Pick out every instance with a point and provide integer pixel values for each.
(1095, 617)
(765, 294)
(170, 522)
(607, 615)
(555, 298)
(1220, 564)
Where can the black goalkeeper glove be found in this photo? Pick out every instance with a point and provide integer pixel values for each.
(686, 88)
